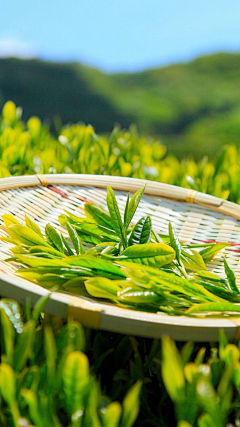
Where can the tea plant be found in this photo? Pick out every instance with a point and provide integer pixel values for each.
(45, 378)
(205, 394)
(30, 148)
(119, 362)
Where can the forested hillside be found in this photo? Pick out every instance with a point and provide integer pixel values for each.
(193, 107)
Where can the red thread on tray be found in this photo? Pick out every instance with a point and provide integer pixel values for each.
(58, 192)
(65, 196)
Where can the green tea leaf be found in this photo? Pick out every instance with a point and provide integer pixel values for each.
(22, 249)
(71, 335)
(142, 232)
(45, 249)
(152, 254)
(220, 291)
(67, 250)
(111, 415)
(50, 352)
(192, 260)
(209, 401)
(115, 215)
(126, 209)
(214, 306)
(8, 384)
(209, 253)
(100, 287)
(74, 218)
(137, 296)
(133, 205)
(9, 219)
(24, 345)
(98, 231)
(172, 370)
(33, 261)
(25, 235)
(30, 399)
(8, 334)
(207, 275)
(183, 424)
(39, 306)
(170, 281)
(75, 378)
(33, 226)
(230, 277)
(174, 242)
(131, 405)
(94, 263)
(54, 238)
(205, 420)
(98, 214)
(50, 281)
(76, 241)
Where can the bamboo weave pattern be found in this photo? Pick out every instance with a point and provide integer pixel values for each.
(193, 223)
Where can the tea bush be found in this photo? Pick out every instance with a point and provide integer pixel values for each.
(53, 373)
(45, 377)
(30, 148)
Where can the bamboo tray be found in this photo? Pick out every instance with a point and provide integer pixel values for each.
(196, 217)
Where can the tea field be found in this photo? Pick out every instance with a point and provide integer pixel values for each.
(54, 372)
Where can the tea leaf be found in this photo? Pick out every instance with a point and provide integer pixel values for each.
(174, 242)
(133, 205)
(31, 400)
(126, 209)
(39, 306)
(101, 287)
(51, 353)
(214, 306)
(131, 405)
(33, 226)
(54, 238)
(44, 249)
(9, 220)
(137, 296)
(75, 378)
(142, 232)
(111, 415)
(115, 215)
(209, 253)
(76, 241)
(98, 214)
(7, 383)
(25, 235)
(231, 277)
(209, 401)
(8, 334)
(173, 378)
(94, 263)
(192, 260)
(67, 250)
(24, 345)
(152, 254)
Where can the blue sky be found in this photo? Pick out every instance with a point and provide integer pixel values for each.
(119, 35)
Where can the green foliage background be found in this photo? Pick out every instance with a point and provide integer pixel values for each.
(188, 385)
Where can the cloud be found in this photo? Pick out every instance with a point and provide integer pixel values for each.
(13, 47)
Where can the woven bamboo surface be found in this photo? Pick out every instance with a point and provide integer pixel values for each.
(196, 217)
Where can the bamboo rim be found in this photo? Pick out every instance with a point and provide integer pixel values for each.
(107, 316)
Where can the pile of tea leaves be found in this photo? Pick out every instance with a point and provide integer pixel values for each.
(106, 256)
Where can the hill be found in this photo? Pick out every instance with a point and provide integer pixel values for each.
(193, 107)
